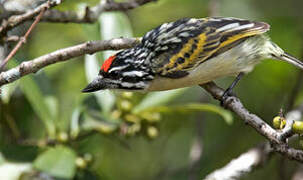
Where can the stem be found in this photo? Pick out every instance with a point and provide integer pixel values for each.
(22, 40)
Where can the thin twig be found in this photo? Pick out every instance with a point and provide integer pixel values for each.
(11, 39)
(21, 41)
(14, 21)
(91, 13)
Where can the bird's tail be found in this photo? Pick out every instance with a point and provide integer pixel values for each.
(292, 60)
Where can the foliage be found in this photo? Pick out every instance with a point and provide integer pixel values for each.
(59, 132)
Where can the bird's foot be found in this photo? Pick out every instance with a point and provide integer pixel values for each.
(224, 100)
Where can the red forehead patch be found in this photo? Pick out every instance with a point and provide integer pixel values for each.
(107, 63)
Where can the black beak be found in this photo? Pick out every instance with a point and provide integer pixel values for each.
(96, 85)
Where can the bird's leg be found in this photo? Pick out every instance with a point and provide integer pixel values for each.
(228, 91)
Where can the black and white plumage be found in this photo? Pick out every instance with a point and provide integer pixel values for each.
(189, 52)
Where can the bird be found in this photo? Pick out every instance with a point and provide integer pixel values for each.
(190, 52)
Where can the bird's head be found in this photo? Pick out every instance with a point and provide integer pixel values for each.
(123, 70)
(102, 80)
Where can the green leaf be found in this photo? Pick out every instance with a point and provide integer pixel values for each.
(34, 95)
(154, 99)
(114, 25)
(52, 103)
(7, 92)
(74, 125)
(194, 107)
(2, 159)
(98, 123)
(58, 162)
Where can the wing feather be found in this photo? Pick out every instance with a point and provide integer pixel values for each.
(185, 44)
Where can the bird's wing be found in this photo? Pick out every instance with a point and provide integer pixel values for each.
(182, 45)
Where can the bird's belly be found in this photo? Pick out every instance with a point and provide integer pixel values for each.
(204, 73)
(229, 63)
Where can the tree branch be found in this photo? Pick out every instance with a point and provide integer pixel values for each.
(11, 39)
(14, 21)
(21, 41)
(276, 138)
(90, 47)
(252, 159)
(234, 104)
(91, 13)
(243, 164)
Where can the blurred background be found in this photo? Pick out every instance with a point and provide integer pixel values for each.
(49, 129)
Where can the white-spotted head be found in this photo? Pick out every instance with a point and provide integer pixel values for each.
(124, 70)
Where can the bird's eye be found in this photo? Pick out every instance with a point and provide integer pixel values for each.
(102, 73)
(114, 75)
